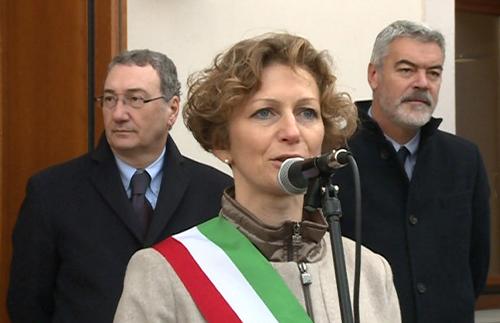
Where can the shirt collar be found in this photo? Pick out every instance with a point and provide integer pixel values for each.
(127, 171)
(411, 145)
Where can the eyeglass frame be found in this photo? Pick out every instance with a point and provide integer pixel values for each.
(126, 100)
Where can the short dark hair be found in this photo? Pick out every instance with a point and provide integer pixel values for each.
(167, 72)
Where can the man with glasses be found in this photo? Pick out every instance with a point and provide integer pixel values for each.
(81, 221)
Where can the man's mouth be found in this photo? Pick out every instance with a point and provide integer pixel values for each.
(420, 97)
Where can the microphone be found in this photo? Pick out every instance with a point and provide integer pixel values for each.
(295, 172)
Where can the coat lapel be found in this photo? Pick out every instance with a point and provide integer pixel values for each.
(174, 184)
(106, 179)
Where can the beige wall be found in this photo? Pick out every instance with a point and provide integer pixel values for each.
(440, 14)
(191, 32)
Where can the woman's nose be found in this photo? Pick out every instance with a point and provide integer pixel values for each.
(289, 129)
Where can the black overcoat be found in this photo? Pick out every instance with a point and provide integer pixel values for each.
(76, 232)
(434, 229)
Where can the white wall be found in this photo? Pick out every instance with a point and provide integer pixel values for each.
(440, 14)
(192, 32)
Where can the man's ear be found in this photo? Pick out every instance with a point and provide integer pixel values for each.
(174, 107)
(373, 76)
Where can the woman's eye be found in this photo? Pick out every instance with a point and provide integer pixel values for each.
(309, 114)
(263, 114)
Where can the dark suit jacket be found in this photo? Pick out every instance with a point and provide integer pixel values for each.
(434, 229)
(76, 232)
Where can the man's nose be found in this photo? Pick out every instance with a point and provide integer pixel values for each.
(421, 79)
(120, 110)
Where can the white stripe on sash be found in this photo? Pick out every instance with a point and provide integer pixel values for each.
(226, 277)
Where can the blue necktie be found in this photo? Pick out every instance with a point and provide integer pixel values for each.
(142, 208)
(402, 154)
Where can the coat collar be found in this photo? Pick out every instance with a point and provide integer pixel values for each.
(371, 125)
(106, 178)
(276, 243)
(174, 183)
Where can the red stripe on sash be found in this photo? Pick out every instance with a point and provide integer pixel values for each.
(206, 296)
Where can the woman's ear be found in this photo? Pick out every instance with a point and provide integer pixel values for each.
(223, 155)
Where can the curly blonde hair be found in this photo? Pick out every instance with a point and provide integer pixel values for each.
(235, 75)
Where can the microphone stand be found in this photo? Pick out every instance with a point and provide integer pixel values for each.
(330, 204)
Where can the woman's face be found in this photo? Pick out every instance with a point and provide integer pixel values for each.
(281, 120)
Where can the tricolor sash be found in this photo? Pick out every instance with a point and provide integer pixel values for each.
(227, 277)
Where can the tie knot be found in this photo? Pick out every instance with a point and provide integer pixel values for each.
(402, 154)
(140, 182)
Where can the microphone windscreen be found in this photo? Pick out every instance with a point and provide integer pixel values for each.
(290, 176)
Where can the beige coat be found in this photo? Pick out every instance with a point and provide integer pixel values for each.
(154, 293)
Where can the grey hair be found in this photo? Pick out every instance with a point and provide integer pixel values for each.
(407, 29)
(167, 72)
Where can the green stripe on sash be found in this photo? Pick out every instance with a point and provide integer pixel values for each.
(256, 269)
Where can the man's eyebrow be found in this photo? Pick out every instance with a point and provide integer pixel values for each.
(436, 67)
(412, 64)
(405, 62)
(126, 91)
(135, 90)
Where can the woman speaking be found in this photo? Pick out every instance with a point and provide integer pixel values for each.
(263, 258)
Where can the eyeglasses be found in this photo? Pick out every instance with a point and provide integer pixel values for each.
(109, 101)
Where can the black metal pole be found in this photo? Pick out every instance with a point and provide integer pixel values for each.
(332, 211)
(321, 193)
(357, 235)
(90, 74)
